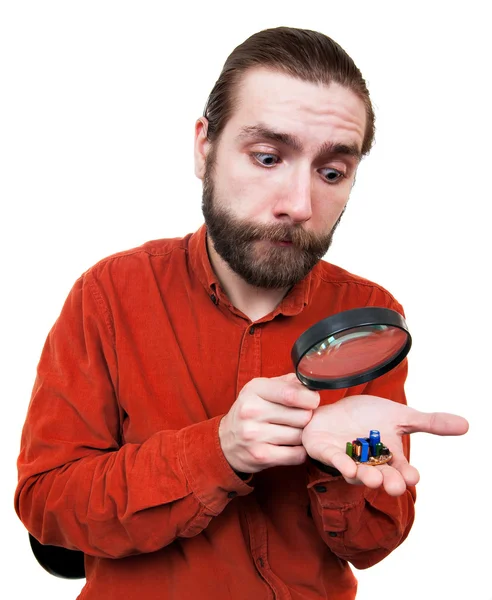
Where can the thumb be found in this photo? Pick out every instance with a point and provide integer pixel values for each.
(288, 378)
(437, 423)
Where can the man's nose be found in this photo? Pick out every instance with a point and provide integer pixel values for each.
(295, 200)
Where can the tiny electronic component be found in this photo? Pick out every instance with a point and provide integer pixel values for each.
(369, 451)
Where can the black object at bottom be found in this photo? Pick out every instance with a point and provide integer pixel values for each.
(61, 562)
(326, 468)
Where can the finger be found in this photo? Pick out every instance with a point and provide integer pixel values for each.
(268, 455)
(393, 482)
(342, 462)
(285, 415)
(437, 423)
(369, 476)
(286, 392)
(282, 435)
(289, 377)
(267, 433)
(410, 474)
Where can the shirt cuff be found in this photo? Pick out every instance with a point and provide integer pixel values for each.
(325, 468)
(333, 499)
(210, 476)
(330, 489)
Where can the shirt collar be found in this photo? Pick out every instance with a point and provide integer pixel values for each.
(294, 302)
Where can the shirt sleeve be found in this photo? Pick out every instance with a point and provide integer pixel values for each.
(79, 486)
(359, 524)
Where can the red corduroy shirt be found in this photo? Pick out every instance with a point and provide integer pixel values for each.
(120, 454)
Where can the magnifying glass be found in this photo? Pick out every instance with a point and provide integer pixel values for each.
(350, 348)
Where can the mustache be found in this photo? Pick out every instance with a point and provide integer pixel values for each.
(280, 233)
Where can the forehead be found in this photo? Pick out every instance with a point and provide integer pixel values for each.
(314, 112)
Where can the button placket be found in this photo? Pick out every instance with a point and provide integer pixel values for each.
(249, 365)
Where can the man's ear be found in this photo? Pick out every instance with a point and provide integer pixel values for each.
(202, 146)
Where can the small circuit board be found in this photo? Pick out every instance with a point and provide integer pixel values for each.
(369, 450)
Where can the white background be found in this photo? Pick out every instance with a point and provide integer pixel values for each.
(97, 108)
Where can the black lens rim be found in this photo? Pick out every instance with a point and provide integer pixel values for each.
(349, 319)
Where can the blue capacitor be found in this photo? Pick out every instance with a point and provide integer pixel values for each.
(364, 454)
(374, 439)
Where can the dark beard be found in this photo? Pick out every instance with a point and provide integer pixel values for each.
(271, 266)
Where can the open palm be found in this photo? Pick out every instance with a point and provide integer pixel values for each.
(332, 426)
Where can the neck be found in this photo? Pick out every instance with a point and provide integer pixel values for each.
(253, 301)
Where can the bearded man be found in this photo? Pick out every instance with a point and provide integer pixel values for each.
(167, 438)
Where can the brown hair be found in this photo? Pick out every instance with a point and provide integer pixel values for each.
(301, 53)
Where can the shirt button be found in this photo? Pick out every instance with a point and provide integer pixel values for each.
(332, 533)
(320, 488)
(213, 297)
(232, 494)
(252, 330)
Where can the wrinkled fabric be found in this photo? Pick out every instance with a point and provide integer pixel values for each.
(120, 455)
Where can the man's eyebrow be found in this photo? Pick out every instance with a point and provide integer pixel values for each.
(334, 148)
(287, 139)
(260, 131)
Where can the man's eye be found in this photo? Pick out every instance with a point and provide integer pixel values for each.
(267, 160)
(331, 175)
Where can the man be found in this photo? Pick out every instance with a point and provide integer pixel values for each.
(167, 437)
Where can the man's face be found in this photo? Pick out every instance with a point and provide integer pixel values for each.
(276, 182)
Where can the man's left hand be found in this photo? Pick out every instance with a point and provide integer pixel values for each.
(332, 426)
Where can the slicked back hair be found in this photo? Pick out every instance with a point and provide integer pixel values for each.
(301, 53)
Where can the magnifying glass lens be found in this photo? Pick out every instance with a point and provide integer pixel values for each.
(352, 352)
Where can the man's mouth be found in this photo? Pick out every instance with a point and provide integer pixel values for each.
(284, 242)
